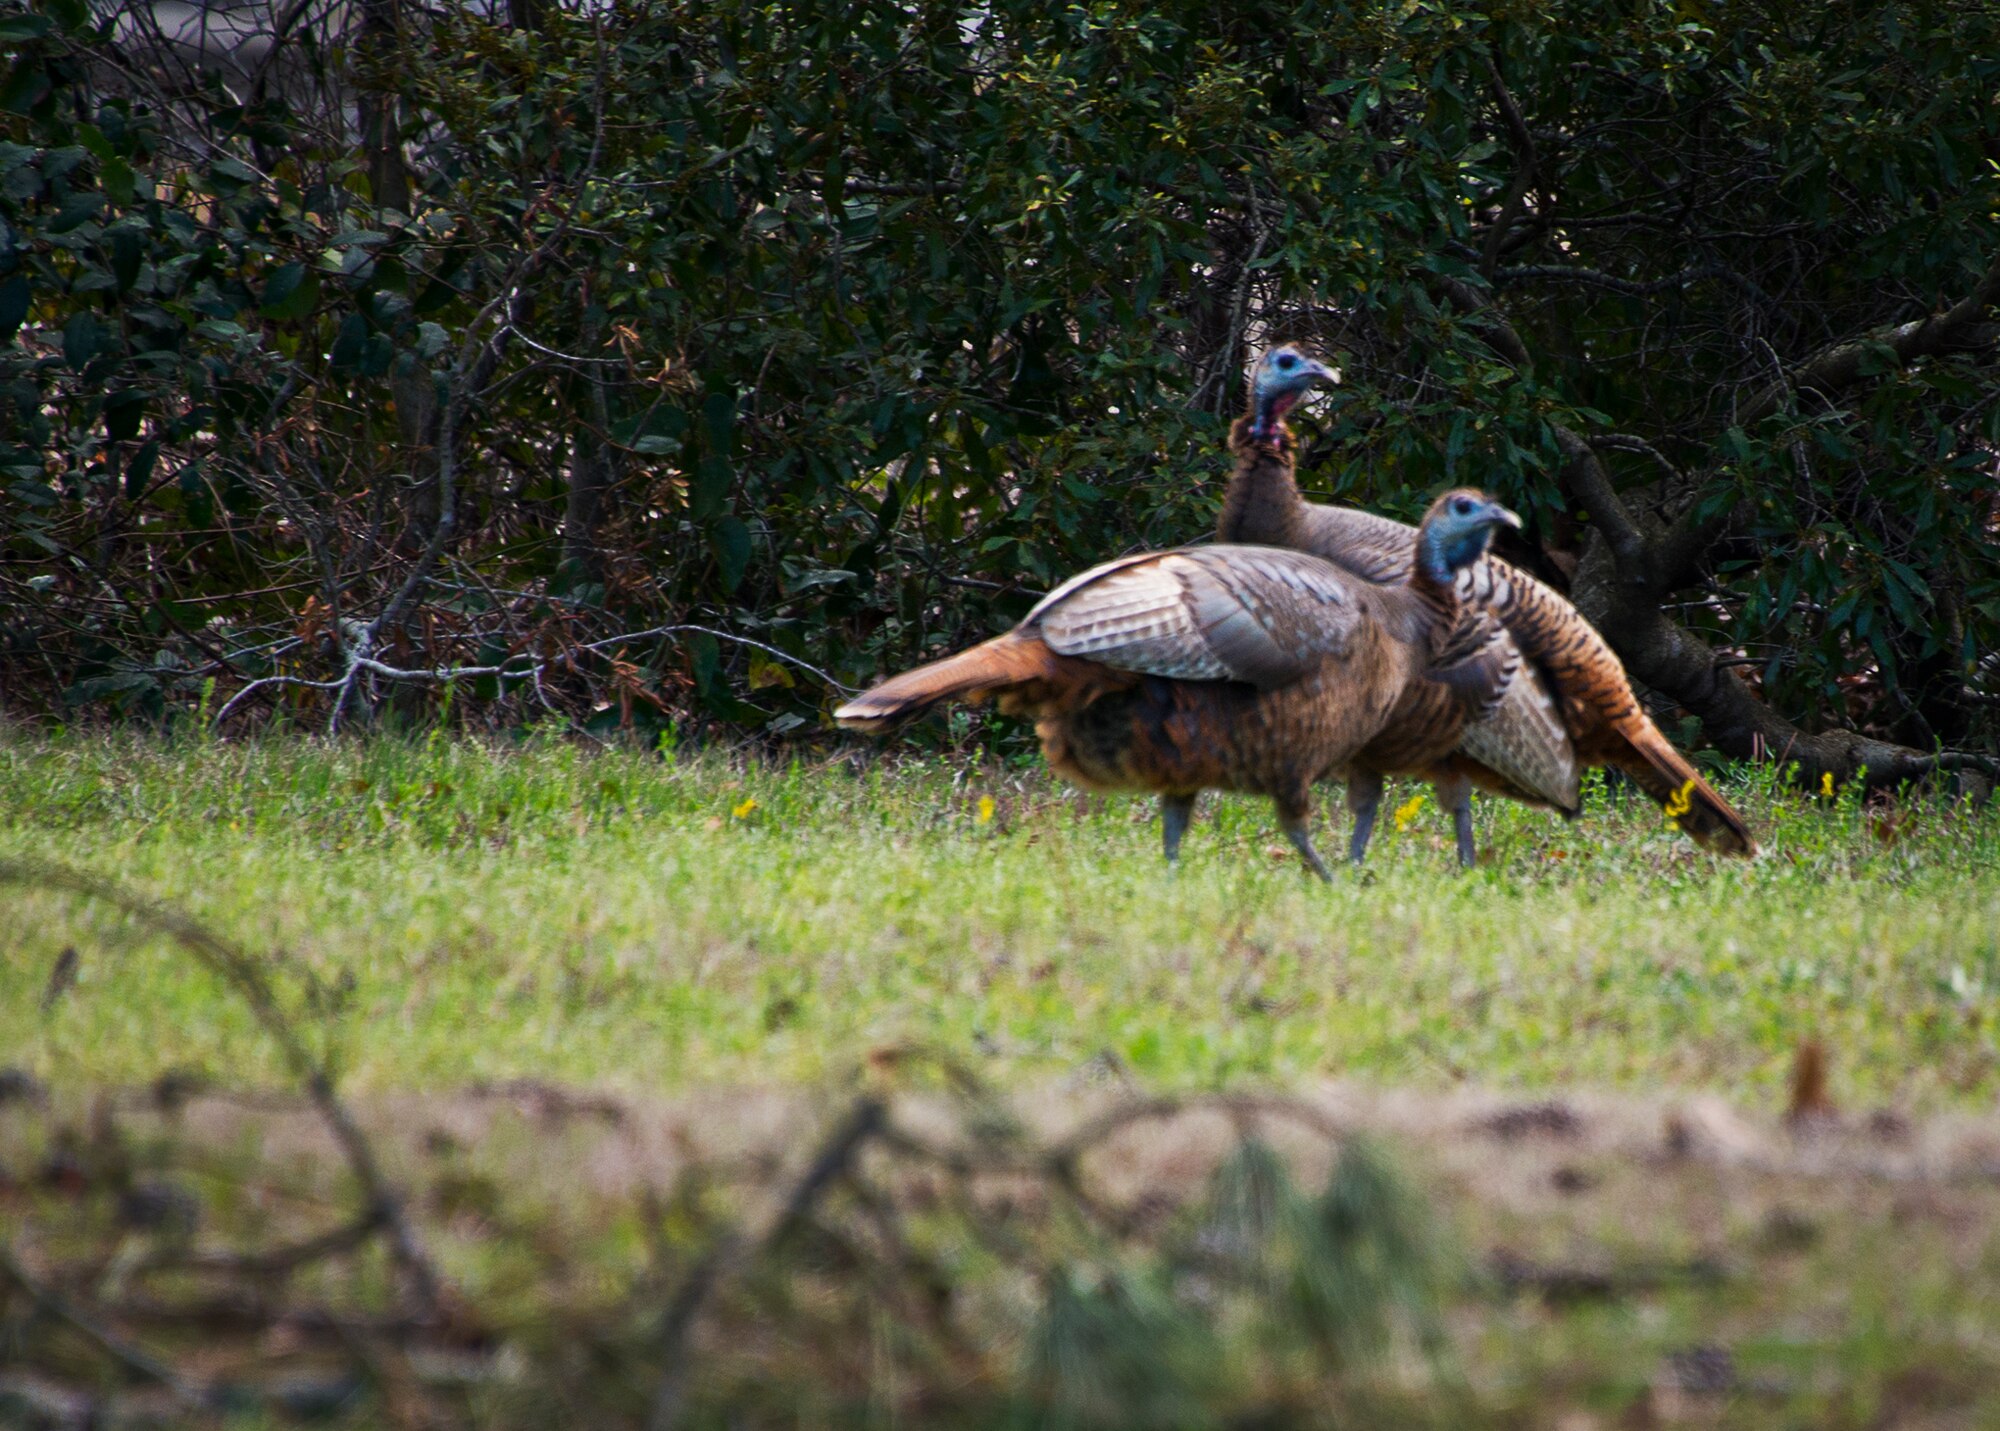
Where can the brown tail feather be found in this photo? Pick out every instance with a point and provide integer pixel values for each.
(989, 668)
(1664, 773)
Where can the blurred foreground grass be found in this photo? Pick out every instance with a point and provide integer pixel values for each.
(453, 912)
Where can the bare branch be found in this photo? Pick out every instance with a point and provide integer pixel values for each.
(262, 681)
(247, 975)
(1827, 373)
(521, 667)
(1839, 366)
(1565, 274)
(1626, 442)
(277, 1261)
(1526, 176)
(439, 674)
(134, 1360)
(1217, 375)
(477, 358)
(549, 352)
(836, 1154)
(1500, 334)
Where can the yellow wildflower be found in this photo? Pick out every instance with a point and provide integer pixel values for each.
(1407, 811)
(986, 809)
(1826, 784)
(742, 812)
(1680, 802)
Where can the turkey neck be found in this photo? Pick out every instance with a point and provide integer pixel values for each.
(1262, 506)
(1434, 582)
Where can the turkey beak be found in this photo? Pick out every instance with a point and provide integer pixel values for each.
(1501, 517)
(1323, 375)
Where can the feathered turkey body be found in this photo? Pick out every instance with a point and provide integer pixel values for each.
(1577, 682)
(1220, 667)
(1518, 746)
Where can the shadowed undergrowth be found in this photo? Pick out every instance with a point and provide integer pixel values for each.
(922, 1252)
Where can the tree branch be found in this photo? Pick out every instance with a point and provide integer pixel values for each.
(1625, 574)
(1839, 366)
(1827, 373)
(133, 1360)
(863, 1121)
(1527, 176)
(1626, 442)
(1672, 659)
(1596, 279)
(1583, 474)
(250, 978)
(1588, 482)
(518, 667)
(1500, 334)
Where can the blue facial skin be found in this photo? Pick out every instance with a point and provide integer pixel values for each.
(1283, 377)
(1461, 535)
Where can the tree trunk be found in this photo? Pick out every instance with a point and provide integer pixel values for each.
(591, 474)
(377, 108)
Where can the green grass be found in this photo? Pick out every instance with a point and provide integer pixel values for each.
(439, 913)
(450, 912)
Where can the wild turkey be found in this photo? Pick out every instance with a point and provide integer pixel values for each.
(1520, 747)
(1584, 677)
(1514, 743)
(1220, 667)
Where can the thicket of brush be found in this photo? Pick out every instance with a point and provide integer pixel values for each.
(546, 345)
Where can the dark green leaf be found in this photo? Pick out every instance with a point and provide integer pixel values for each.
(84, 337)
(139, 471)
(348, 343)
(122, 414)
(26, 85)
(712, 481)
(14, 296)
(730, 540)
(118, 180)
(718, 412)
(291, 292)
(233, 172)
(128, 252)
(77, 210)
(704, 661)
(116, 688)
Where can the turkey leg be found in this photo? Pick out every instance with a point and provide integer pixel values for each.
(1175, 812)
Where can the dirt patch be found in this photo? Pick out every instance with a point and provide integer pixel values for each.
(199, 1239)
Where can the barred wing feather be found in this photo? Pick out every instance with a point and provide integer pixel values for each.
(1254, 614)
(1526, 741)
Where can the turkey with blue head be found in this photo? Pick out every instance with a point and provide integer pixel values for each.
(1222, 667)
(1570, 704)
(1282, 377)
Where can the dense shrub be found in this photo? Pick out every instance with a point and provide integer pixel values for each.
(436, 338)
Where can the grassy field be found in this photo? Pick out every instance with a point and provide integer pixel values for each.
(596, 1011)
(447, 912)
